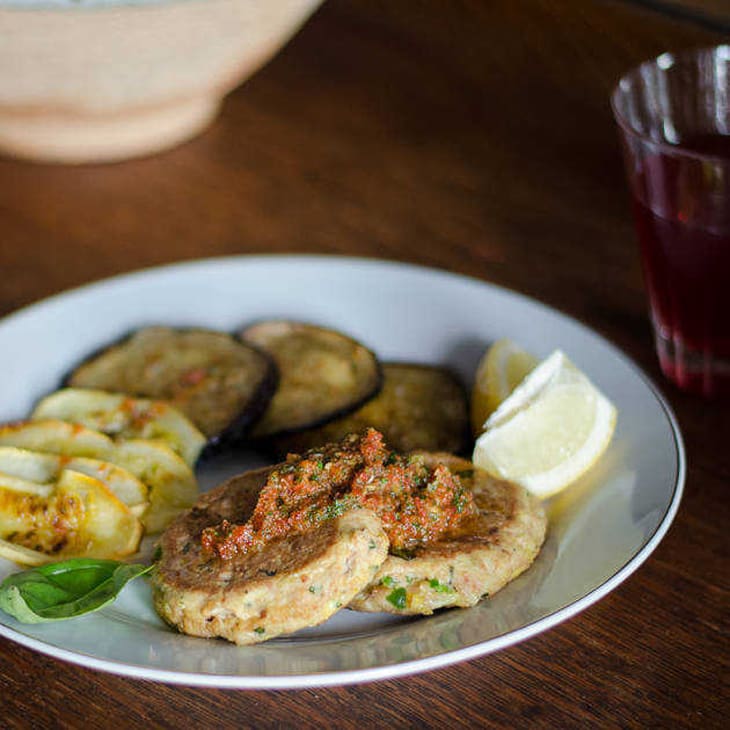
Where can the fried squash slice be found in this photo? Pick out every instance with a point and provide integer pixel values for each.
(23, 555)
(80, 517)
(35, 472)
(121, 416)
(171, 483)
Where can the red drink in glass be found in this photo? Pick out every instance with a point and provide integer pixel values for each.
(677, 146)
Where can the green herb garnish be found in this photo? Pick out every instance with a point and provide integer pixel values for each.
(337, 508)
(397, 598)
(387, 581)
(65, 590)
(440, 587)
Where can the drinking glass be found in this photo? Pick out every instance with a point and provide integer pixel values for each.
(674, 118)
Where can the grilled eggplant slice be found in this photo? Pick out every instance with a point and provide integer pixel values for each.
(81, 517)
(38, 472)
(120, 416)
(419, 407)
(222, 385)
(323, 375)
(171, 483)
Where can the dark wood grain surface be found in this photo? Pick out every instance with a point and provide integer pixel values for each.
(471, 136)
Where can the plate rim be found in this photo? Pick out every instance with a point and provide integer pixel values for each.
(383, 671)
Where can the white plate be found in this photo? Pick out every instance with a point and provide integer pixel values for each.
(601, 529)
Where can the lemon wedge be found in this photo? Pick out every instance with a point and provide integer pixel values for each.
(549, 431)
(502, 367)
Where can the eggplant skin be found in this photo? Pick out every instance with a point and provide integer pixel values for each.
(420, 407)
(221, 384)
(323, 374)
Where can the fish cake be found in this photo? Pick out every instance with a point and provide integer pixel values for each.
(475, 560)
(293, 582)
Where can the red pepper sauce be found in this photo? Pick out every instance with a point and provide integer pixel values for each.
(416, 503)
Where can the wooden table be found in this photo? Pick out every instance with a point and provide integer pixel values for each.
(472, 136)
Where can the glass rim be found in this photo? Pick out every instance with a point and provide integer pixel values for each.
(625, 125)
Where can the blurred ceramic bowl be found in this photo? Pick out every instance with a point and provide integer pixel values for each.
(103, 80)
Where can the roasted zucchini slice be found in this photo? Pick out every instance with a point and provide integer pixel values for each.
(323, 374)
(23, 555)
(173, 487)
(222, 385)
(120, 416)
(419, 407)
(80, 517)
(171, 483)
(56, 437)
(37, 472)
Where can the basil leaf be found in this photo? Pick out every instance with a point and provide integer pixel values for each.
(63, 590)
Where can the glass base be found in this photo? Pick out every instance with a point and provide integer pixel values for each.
(694, 371)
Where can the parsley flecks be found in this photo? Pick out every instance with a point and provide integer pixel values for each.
(337, 508)
(388, 581)
(397, 598)
(440, 587)
(459, 501)
(260, 630)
